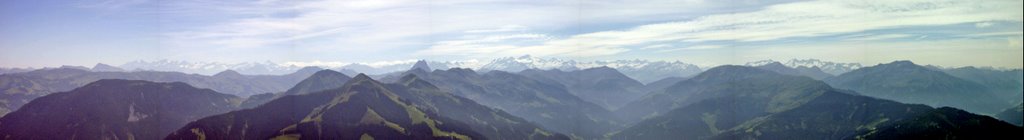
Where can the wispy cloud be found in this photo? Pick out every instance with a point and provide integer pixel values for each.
(701, 47)
(872, 37)
(782, 21)
(506, 28)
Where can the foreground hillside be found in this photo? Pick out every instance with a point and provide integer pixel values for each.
(114, 109)
(361, 108)
(733, 102)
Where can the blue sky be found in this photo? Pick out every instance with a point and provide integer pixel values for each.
(47, 33)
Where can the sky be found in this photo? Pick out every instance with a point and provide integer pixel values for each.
(952, 33)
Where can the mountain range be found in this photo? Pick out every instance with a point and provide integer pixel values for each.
(363, 107)
(907, 82)
(898, 100)
(115, 109)
(833, 68)
(735, 102)
(551, 106)
(603, 86)
(20, 88)
(642, 70)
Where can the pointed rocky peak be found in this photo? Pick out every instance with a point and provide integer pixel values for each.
(422, 64)
(228, 73)
(105, 67)
(417, 71)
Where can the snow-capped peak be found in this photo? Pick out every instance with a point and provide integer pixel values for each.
(834, 68)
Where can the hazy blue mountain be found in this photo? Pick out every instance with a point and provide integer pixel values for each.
(832, 68)
(734, 102)
(347, 71)
(603, 86)
(907, 82)
(716, 82)
(319, 81)
(105, 67)
(18, 88)
(1014, 115)
(551, 106)
(209, 68)
(114, 109)
(1006, 84)
(361, 109)
(492, 123)
(661, 84)
(398, 67)
(14, 70)
(642, 70)
(812, 72)
(422, 64)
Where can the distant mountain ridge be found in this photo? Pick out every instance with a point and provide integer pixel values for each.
(115, 109)
(907, 82)
(600, 85)
(641, 70)
(20, 88)
(362, 108)
(548, 105)
(736, 102)
(833, 68)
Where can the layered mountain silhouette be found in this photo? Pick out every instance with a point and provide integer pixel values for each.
(724, 81)
(422, 65)
(1014, 115)
(1006, 84)
(734, 102)
(661, 84)
(16, 89)
(319, 81)
(601, 85)
(551, 106)
(907, 82)
(105, 67)
(114, 109)
(361, 109)
(366, 108)
(812, 72)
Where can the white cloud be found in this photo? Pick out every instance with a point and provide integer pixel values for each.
(506, 28)
(983, 24)
(656, 46)
(782, 21)
(326, 64)
(701, 47)
(872, 37)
